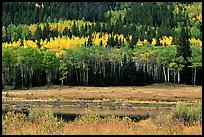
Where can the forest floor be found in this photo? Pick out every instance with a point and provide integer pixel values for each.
(156, 93)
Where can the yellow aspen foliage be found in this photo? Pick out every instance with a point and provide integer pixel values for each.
(162, 42)
(199, 17)
(32, 29)
(59, 43)
(145, 41)
(52, 26)
(14, 43)
(176, 10)
(41, 25)
(194, 42)
(96, 39)
(169, 40)
(154, 41)
(43, 42)
(37, 5)
(130, 37)
(139, 43)
(61, 27)
(29, 43)
(166, 40)
(105, 39)
(121, 36)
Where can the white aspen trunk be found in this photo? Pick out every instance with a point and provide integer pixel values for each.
(26, 77)
(164, 74)
(2, 80)
(194, 78)
(147, 68)
(136, 66)
(104, 70)
(48, 77)
(144, 67)
(155, 73)
(101, 68)
(77, 76)
(167, 75)
(119, 69)
(9, 78)
(152, 71)
(174, 77)
(83, 73)
(31, 73)
(114, 67)
(22, 76)
(87, 75)
(62, 82)
(95, 67)
(178, 76)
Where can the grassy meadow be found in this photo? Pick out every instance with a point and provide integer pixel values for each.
(182, 120)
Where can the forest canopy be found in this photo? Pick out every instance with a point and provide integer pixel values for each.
(101, 43)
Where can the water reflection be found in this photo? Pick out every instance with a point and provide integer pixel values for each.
(70, 110)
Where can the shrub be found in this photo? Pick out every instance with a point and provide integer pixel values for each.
(47, 123)
(13, 123)
(37, 122)
(189, 115)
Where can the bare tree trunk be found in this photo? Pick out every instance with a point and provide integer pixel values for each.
(194, 78)
(9, 75)
(174, 77)
(48, 78)
(114, 68)
(62, 81)
(95, 67)
(178, 76)
(104, 70)
(164, 74)
(22, 76)
(2, 80)
(81, 76)
(87, 75)
(144, 65)
(31, 73)
(167, 75)
(77, 78)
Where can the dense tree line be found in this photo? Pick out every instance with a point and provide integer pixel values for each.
(97, 65)
(101, 44)
(146, 19)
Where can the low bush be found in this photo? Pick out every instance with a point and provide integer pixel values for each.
(189, 115)
(37, 122)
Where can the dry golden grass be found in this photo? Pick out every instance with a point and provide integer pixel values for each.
(144, 127)
(92, 124)
(154, 93)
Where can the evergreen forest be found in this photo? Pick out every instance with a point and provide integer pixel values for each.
(101, 43)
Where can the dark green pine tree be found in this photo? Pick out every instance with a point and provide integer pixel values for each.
(45, 31)
(90, 40)
(38, 35)
(17, 78)
(75, 29)
(183, 49)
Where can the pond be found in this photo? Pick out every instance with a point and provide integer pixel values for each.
(69, 111)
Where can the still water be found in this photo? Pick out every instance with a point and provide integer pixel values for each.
(69, 111)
